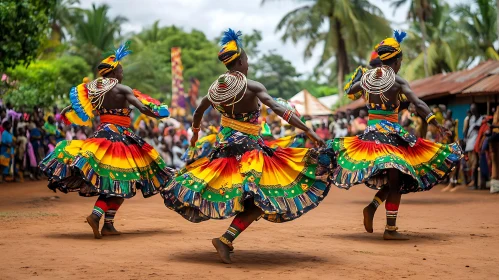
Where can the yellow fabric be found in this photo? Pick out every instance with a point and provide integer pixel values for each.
(392, 42)
(244, 127)
(495, 120)
(111, 60)
(230, 46)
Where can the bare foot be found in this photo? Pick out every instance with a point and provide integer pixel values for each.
(108, 229)
(448, 188)
(368, 218)
(394, 235)
(223, 250)
(456, 188)
(93, 221)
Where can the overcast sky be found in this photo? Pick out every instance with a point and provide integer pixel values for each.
(212, 17)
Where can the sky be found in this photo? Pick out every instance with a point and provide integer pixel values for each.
(212, 17)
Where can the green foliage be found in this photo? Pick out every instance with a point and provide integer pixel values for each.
(349, 31)
(45, 82)
(24, 25)
(95, 33)
(278, 75)
(149, 68)
(478, 19)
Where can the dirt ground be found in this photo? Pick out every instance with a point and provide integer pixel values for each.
(453, 236)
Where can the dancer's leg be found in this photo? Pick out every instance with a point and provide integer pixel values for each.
(113, 204)
(100, 208)
(392, 206)
(370, 209)
(242, 220)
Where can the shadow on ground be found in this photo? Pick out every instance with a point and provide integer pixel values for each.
(125, 235)
(377, 237)
(250, 258)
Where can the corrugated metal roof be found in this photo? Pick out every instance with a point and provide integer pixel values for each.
(452, 83)
(482, 79)
(489, 85)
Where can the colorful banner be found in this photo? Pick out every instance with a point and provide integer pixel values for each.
(178, 104)
(193, 95)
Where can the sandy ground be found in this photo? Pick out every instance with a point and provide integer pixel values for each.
(453, 236)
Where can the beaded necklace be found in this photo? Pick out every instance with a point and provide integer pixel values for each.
(98, 88)
(227, 87)
(378, 81)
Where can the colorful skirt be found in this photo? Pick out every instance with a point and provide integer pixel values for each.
(386, 145)
(284, 183)
(114, 162)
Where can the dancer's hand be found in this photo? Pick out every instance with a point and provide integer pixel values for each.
(194, 139)
(443, 131)
(315, 138)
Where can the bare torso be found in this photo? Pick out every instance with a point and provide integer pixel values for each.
(249, 101)
(392, 95)
(116, 98)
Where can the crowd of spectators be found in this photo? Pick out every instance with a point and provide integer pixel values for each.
(27, 136)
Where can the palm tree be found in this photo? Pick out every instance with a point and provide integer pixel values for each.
(419, 11)
(448, 49)
(479, 21)
(63, 19)
(95, 33)
(342, 26)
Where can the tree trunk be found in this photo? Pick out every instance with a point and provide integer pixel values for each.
(422, 26)
(341, 56)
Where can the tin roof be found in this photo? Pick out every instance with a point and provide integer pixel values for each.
(482, 79)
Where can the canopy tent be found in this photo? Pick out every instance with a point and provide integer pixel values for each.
(307, 105)
(330, 100)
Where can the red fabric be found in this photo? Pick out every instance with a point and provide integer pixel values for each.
(101, 204)
(481, 134)
(113, 119)
(113, 205)
(391, 206)
(240, 224)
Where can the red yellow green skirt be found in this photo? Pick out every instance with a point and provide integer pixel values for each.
(284, 182)
(386, 145)
(114, 162)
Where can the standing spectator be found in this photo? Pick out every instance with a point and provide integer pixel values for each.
(494, 152)
(466, 122)
(36, 139)
(475, 121)
(177, 153)
(21, 143)
(323, 132)
(6, 153)
(359, 124)
(340, 126)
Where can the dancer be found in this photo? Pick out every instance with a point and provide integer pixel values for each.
(386, 157)
(243, 177)
(114, 162)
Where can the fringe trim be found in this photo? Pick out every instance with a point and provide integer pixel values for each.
(195, 208)
(80, 176)
(344, 178)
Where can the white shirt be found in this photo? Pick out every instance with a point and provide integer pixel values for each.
(472, 132)
(177, 162)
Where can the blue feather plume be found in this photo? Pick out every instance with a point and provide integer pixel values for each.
(231, 35)
(122, 51)
(399, 35)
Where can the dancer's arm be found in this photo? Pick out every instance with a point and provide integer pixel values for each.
(421, 108)
(197, 117)
(261, 93)
(130, 97)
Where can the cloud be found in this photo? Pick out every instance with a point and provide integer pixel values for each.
(212, 17)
